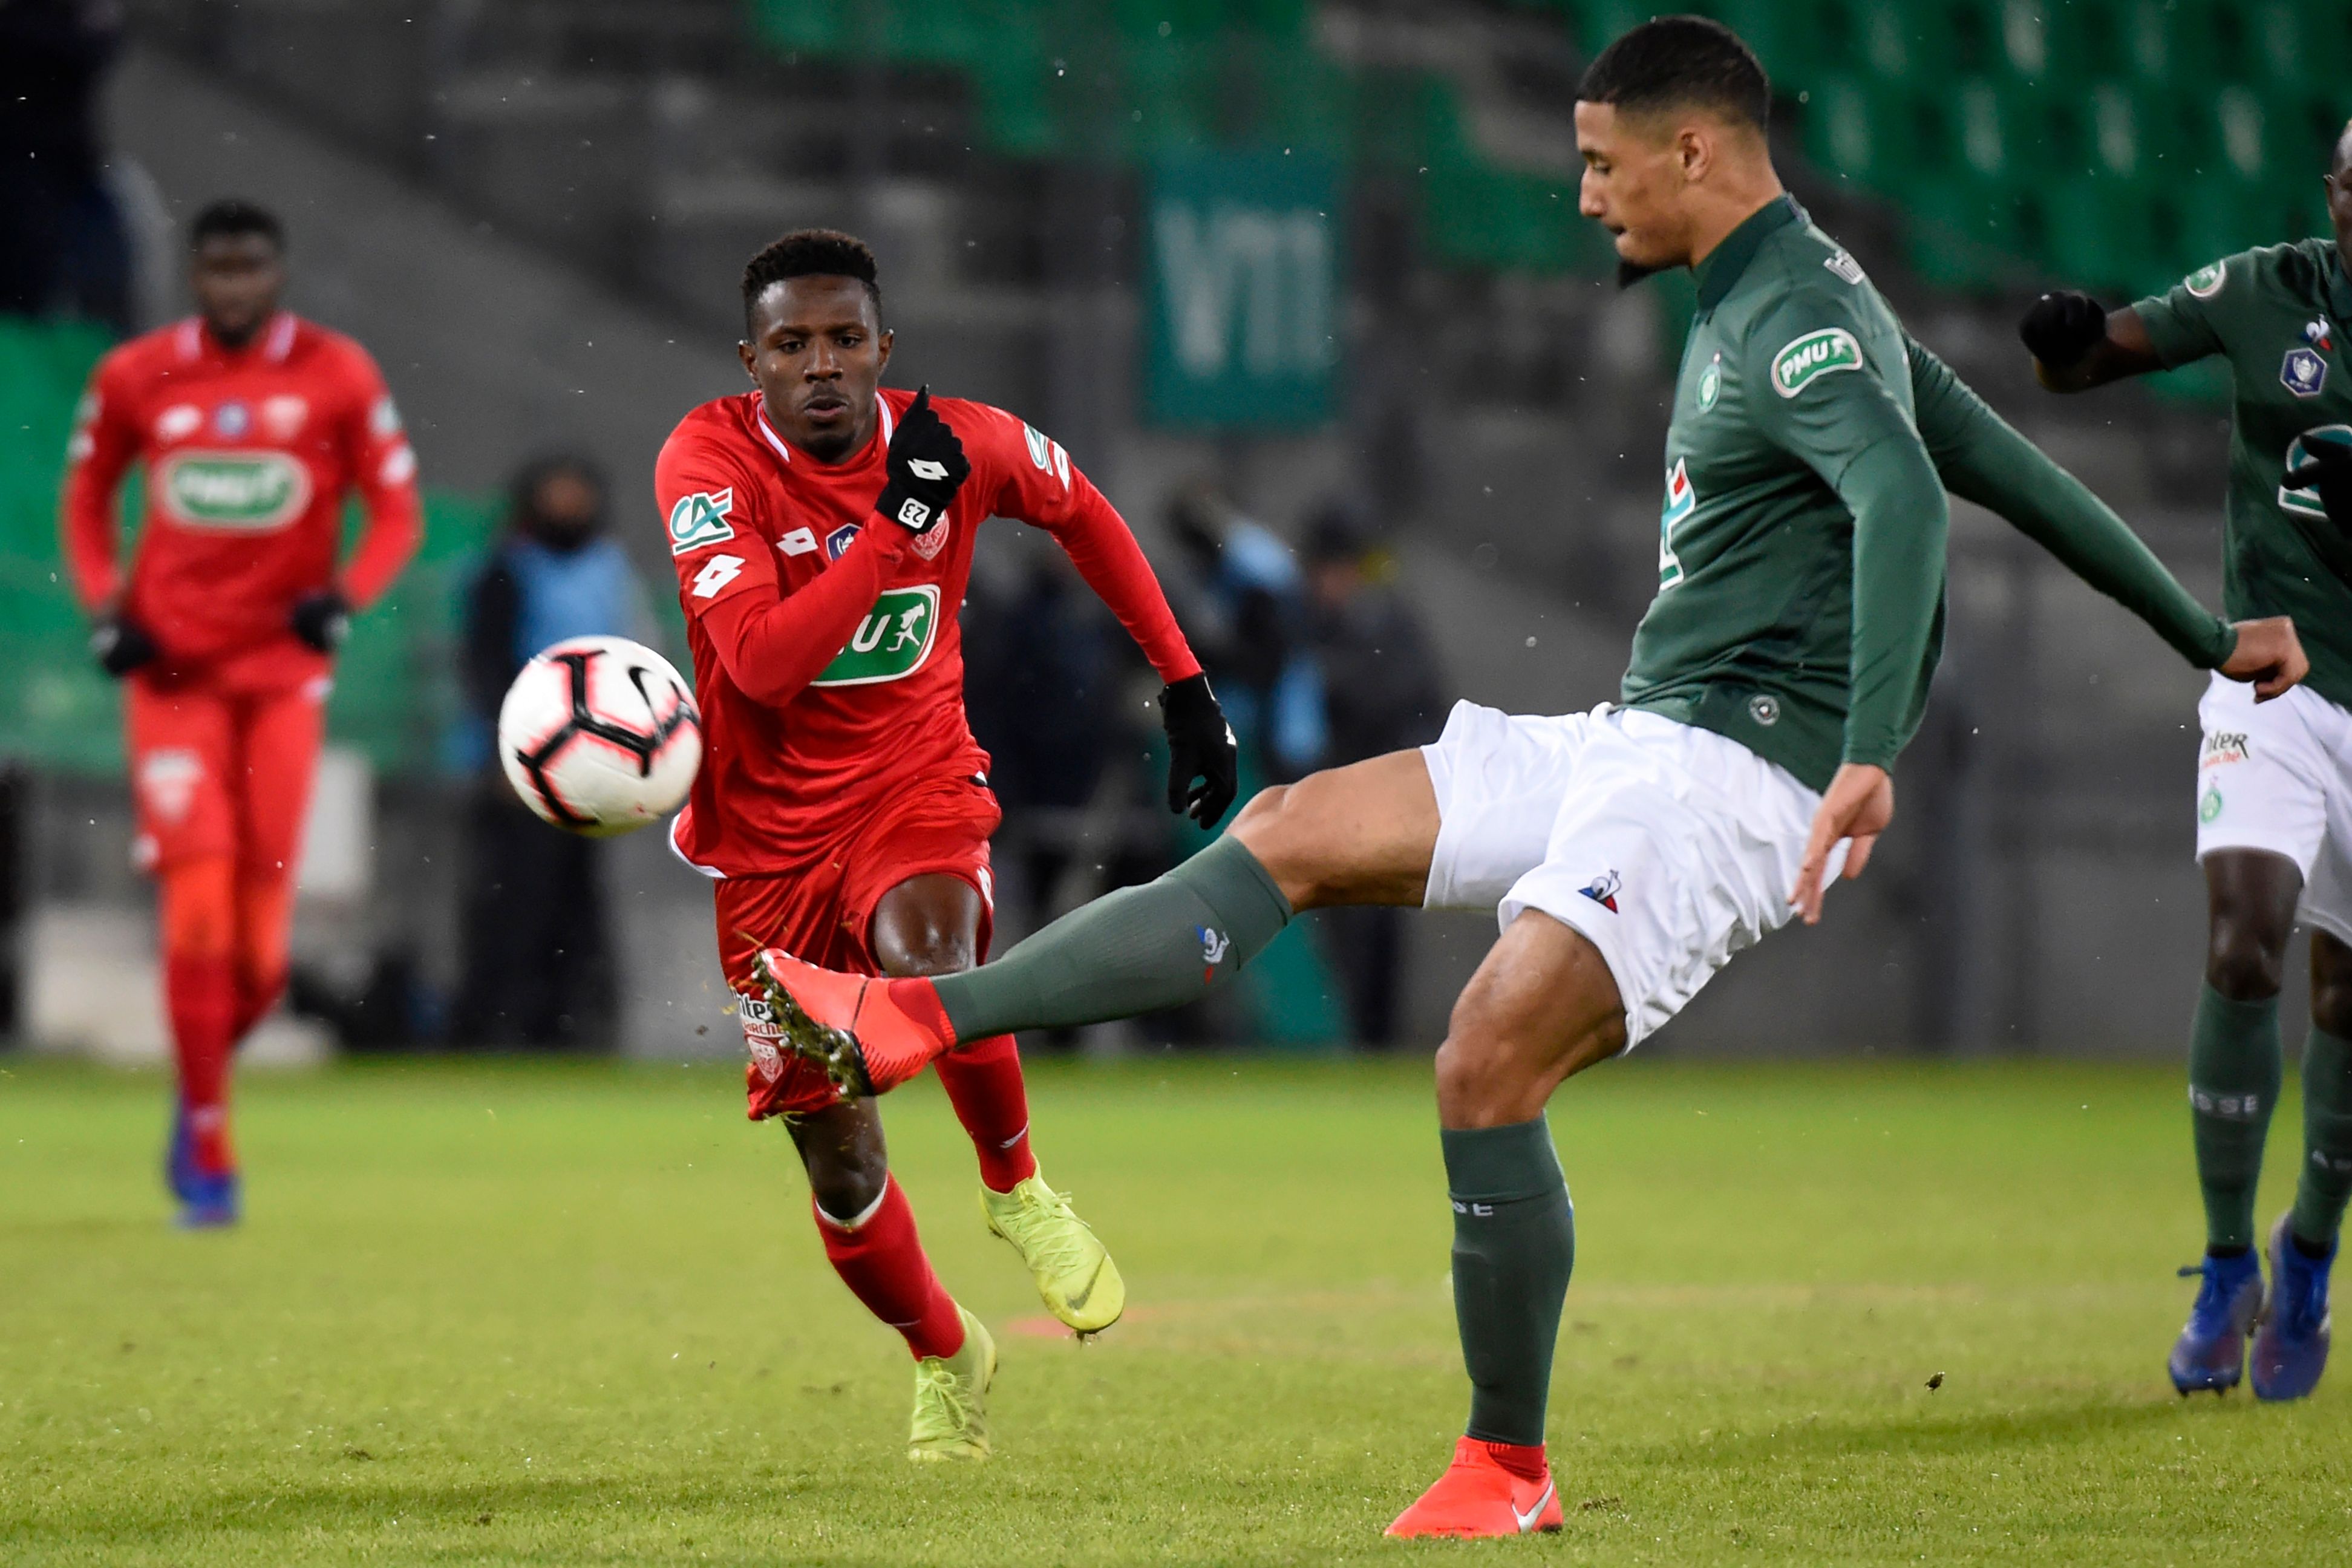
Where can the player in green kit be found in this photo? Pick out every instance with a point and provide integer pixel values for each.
(2274, 787)
(1630, 850)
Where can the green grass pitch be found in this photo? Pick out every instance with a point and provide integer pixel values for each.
(576, 1315)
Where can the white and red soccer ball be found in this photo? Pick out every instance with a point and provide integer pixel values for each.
(600, 735)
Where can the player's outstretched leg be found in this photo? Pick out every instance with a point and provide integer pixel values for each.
(1542, 1005)
(935, 924)
(200, 994)
(2291, 1350)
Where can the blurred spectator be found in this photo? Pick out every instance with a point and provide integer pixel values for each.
(1245, 614)
(538, 953)
(1382, 692)
(63, 248)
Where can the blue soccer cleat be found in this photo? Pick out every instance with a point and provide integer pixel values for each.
(208, 1199)
(2291, 1347)
(2211, 1351)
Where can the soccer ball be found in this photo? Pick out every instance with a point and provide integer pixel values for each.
(600, 735)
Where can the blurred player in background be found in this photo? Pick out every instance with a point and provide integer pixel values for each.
(1631, 851)
(2274, 783)
(823, 531)
(254, 426)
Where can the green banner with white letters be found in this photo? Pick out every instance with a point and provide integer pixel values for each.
(1243, 299)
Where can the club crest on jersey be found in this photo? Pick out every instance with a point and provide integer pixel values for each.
(840, 539)
(2302, 372)
(1603, 890)
(168, 779)
(2306, 502)
(701, 518)
(282, 417)
(932, 540)
(892, 642)
(232, 420)
(1710, 383)
(1805, 360)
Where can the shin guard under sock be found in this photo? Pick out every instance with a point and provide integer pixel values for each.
(2233, 1085)
(1138, 950)
(880, 1258)
(2326, 1179)
(201, 995)
(1513, 1248)
(983, 1084)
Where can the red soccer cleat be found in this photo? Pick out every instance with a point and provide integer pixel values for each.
(846, 1025)
(1478, 1497)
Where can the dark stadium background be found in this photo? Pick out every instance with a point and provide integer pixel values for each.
(533, 211)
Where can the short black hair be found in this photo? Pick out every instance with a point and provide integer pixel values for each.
(1681, 62)
(231, 215)
(809, 253)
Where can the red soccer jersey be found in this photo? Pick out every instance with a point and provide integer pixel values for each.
(250, 453)
(828, 660)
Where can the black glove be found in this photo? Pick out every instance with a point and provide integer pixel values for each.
(1203, 759)
(323, 619)
(926, 465)
(2061, 328)
(120, 645)
(2328, 468)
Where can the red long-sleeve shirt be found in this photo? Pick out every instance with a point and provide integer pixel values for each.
(828, 659)
(250, 453)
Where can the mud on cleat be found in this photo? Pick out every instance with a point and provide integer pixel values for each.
(2291, 1347)
(2211, 1353)
(846, 1025)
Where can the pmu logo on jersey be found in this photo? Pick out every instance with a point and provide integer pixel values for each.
(1805, 360)
(246, 492)
(891, 643)
(701, 518)
(2302, 372)
(1603, 890)
(167, 781)
(2306, 502)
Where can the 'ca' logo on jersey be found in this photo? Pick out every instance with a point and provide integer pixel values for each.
(701, 518)
(1805, 360)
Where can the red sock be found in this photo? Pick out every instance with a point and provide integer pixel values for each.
(201, 994)
(919, 1000)
(253, 1005)
(880, 1258)
(1525, 1460)
(983, 1083)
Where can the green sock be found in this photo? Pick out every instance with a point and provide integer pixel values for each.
(1514, 1246)
(2233, 1084)
(2327, 1178)
(1159, 946)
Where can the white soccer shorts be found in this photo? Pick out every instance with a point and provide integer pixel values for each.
(1669, 847)
(2277, 775)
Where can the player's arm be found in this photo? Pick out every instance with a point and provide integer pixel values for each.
(101, 450)
(1832, 412)
(1983, 458)
(1042, 487)
(383, 472)
(2077, 343)
(772, 643)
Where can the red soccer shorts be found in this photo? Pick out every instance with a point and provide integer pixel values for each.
(824, 915)
(223, 772)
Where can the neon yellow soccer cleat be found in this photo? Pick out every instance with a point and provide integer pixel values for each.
(1080, 1284)
(951, 1398)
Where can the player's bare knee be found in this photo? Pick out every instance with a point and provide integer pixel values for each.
(2245, 960)
(846, 1181)
(928, 950)
(1285, 826)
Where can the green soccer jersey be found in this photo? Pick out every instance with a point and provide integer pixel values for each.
(2283, 317)
(1801, 549)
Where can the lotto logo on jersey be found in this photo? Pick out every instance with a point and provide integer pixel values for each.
(1804, 360)
(701, 518)
(891, 643)
(246, 492)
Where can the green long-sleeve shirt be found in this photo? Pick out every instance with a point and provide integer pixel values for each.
(1800, 551)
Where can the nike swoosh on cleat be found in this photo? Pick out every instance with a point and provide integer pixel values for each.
(1527, 1521)
(1079, 1302)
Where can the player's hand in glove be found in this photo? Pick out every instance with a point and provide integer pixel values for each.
(120, 645)
(1203, 758)
(926, 465)
(323, 619)
(2061, 328)
(2328, 468)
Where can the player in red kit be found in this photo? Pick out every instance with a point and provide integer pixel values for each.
(823, 531)
(252, 425)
